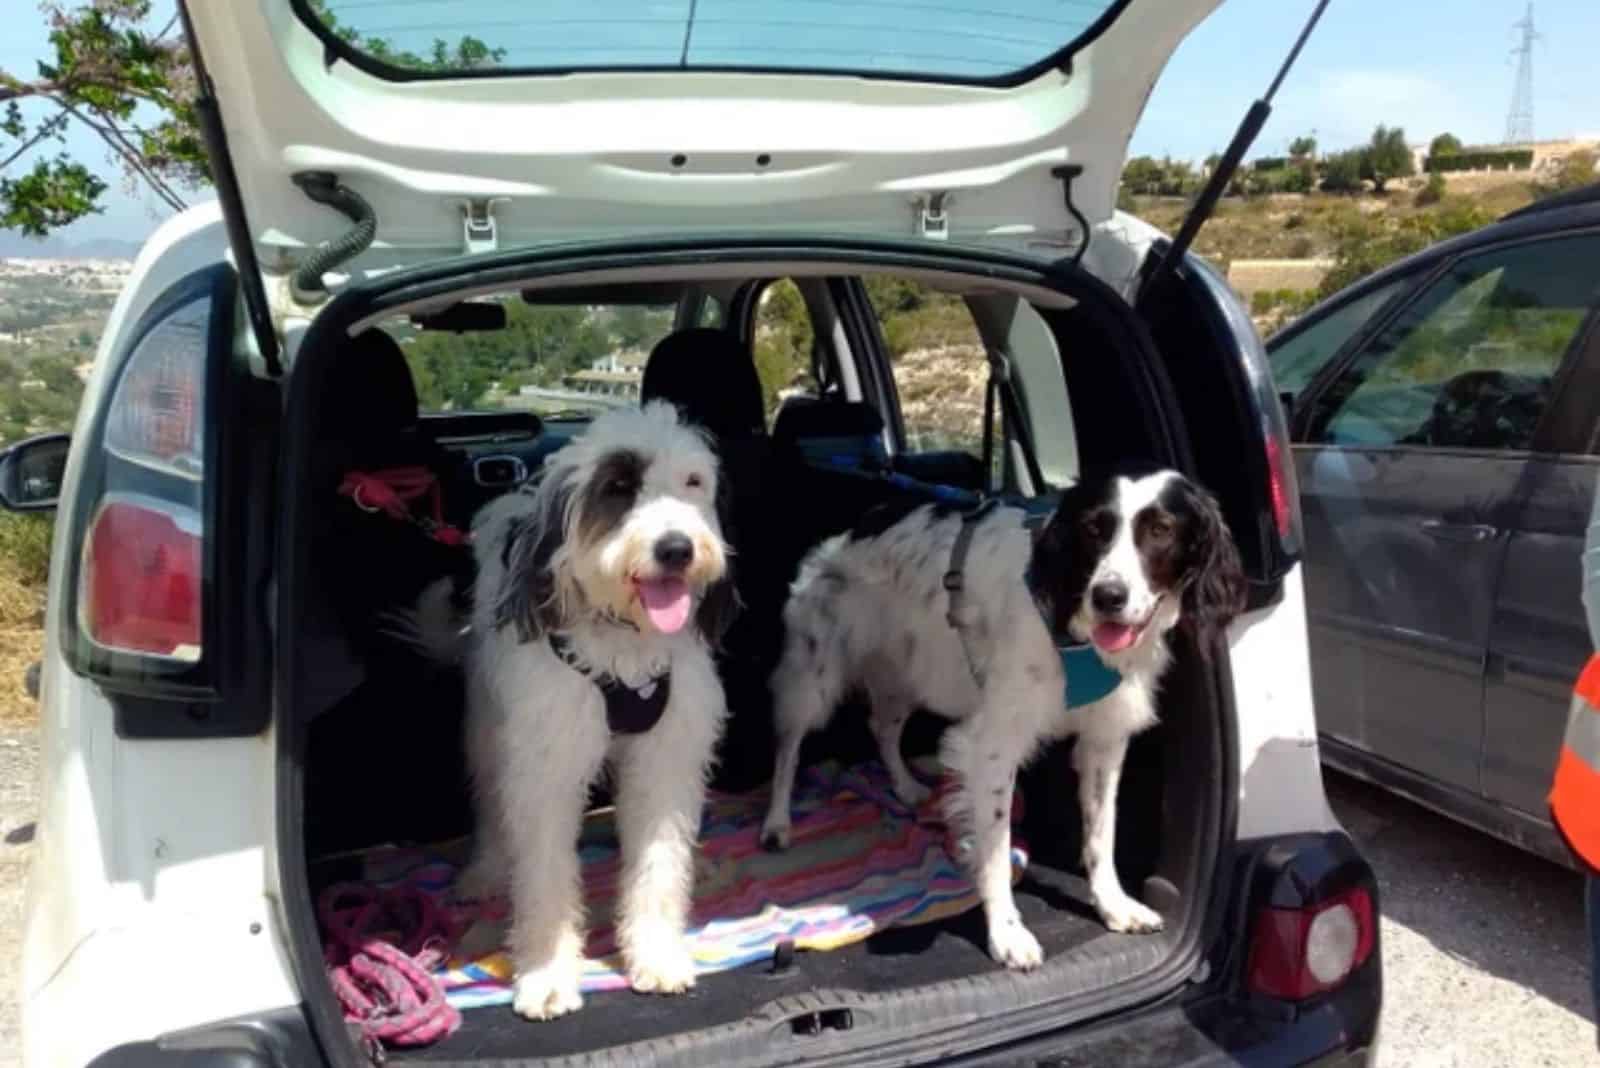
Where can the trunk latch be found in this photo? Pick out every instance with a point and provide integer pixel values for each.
(815, 1023)
(478, 230)
(934, 221)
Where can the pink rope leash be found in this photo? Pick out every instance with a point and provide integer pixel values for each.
(380, 947)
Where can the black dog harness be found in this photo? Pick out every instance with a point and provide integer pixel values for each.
(629, 710)
(1089, 679)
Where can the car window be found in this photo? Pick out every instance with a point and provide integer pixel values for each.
(1297, 360)
(548, 359)
(784, 346)
(939, 364)
(1470, 363)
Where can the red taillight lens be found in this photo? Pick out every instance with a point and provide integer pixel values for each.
(1298, 953)
(1278, 488)
(142, 580)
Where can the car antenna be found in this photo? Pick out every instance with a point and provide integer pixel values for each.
(1157, 267)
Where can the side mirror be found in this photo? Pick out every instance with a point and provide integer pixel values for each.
(31, 473)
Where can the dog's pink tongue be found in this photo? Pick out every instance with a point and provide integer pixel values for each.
(666, 602)
(1113, 637)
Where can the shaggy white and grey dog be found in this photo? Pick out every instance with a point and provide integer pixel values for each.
(1120, 563)
(601, 591)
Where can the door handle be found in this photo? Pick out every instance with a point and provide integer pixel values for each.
(1467, 532)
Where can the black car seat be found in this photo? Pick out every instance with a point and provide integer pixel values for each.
(390, 720)
(710, 376)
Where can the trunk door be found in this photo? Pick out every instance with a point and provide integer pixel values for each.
(472, 125)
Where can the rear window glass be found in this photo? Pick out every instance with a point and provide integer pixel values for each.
(557, 361)
(930, 39)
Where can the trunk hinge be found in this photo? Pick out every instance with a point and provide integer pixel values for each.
(479, 232)
(933, 220)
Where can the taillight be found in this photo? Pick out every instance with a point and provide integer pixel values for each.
(142, 579)
(1299, 953)
(142, 571)
(1278, 488)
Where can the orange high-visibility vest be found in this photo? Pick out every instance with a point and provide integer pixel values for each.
(1575, 797)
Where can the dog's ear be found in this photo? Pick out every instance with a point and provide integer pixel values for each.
(1215, 591)
(720, 605)
(530, 598)
(1059, 565)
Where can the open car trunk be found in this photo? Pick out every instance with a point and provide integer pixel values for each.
(374, 773)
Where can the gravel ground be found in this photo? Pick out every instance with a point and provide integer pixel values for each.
(1485, 954)
(19, 794)
(1484, 950)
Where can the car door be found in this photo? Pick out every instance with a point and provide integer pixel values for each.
(1538, 635)
(1415, 446)
(1299, 354)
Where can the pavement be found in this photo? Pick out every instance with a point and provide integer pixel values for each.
(1484, 947)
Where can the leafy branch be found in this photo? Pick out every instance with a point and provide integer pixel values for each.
(114, 72)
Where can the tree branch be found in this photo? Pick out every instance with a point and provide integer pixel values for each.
(128, 154)
(48, 127)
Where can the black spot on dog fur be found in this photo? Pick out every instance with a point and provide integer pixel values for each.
(999, 814)
(610, 494)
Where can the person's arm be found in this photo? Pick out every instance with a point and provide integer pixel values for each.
(1591, 573)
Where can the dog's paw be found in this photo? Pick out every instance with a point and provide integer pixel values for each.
(667, 967)
(1013, 945)
(775, 837)
(1128, 916)
(913, 793)
(547, 993)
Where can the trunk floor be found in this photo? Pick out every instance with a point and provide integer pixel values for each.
(1053, 903)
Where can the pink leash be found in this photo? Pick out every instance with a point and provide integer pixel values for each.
(380, 947)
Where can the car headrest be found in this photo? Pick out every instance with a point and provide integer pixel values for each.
(711, 378)
(369, 390)
(847, 433)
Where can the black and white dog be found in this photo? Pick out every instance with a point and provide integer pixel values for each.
(1121, 562)
(599, 596)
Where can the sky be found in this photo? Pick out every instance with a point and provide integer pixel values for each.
(1426, 66)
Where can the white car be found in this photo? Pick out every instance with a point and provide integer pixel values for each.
(227, 728)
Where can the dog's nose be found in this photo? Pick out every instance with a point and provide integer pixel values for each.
(1109, 596)
(674, 551)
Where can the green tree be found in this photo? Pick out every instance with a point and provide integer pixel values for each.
(1446, 144)
(1386, 157)
(1143, 175)
(1303, 148)
(1341, 172)
(112, 69)
(1433, 191)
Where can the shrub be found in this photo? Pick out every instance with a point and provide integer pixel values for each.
(1432, 192)
(1512, 159)
(1342, 172)
(1270, 163)
(1386, 157)
(1302, 248)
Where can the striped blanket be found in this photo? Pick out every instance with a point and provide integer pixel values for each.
(860, 862)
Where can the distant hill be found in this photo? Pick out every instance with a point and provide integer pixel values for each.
(56, 248)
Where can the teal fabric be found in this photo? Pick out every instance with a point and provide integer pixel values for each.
(1088, 678)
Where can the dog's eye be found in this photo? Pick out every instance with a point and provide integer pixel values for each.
(1160, 529)
(694, 482)
(619, 486)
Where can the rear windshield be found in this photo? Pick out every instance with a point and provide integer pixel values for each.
(937, 40)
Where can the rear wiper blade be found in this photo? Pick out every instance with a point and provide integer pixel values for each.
(1157, 267)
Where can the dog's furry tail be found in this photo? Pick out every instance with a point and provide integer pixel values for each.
(434, 626)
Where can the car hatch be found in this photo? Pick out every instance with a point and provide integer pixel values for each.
(471, 125)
